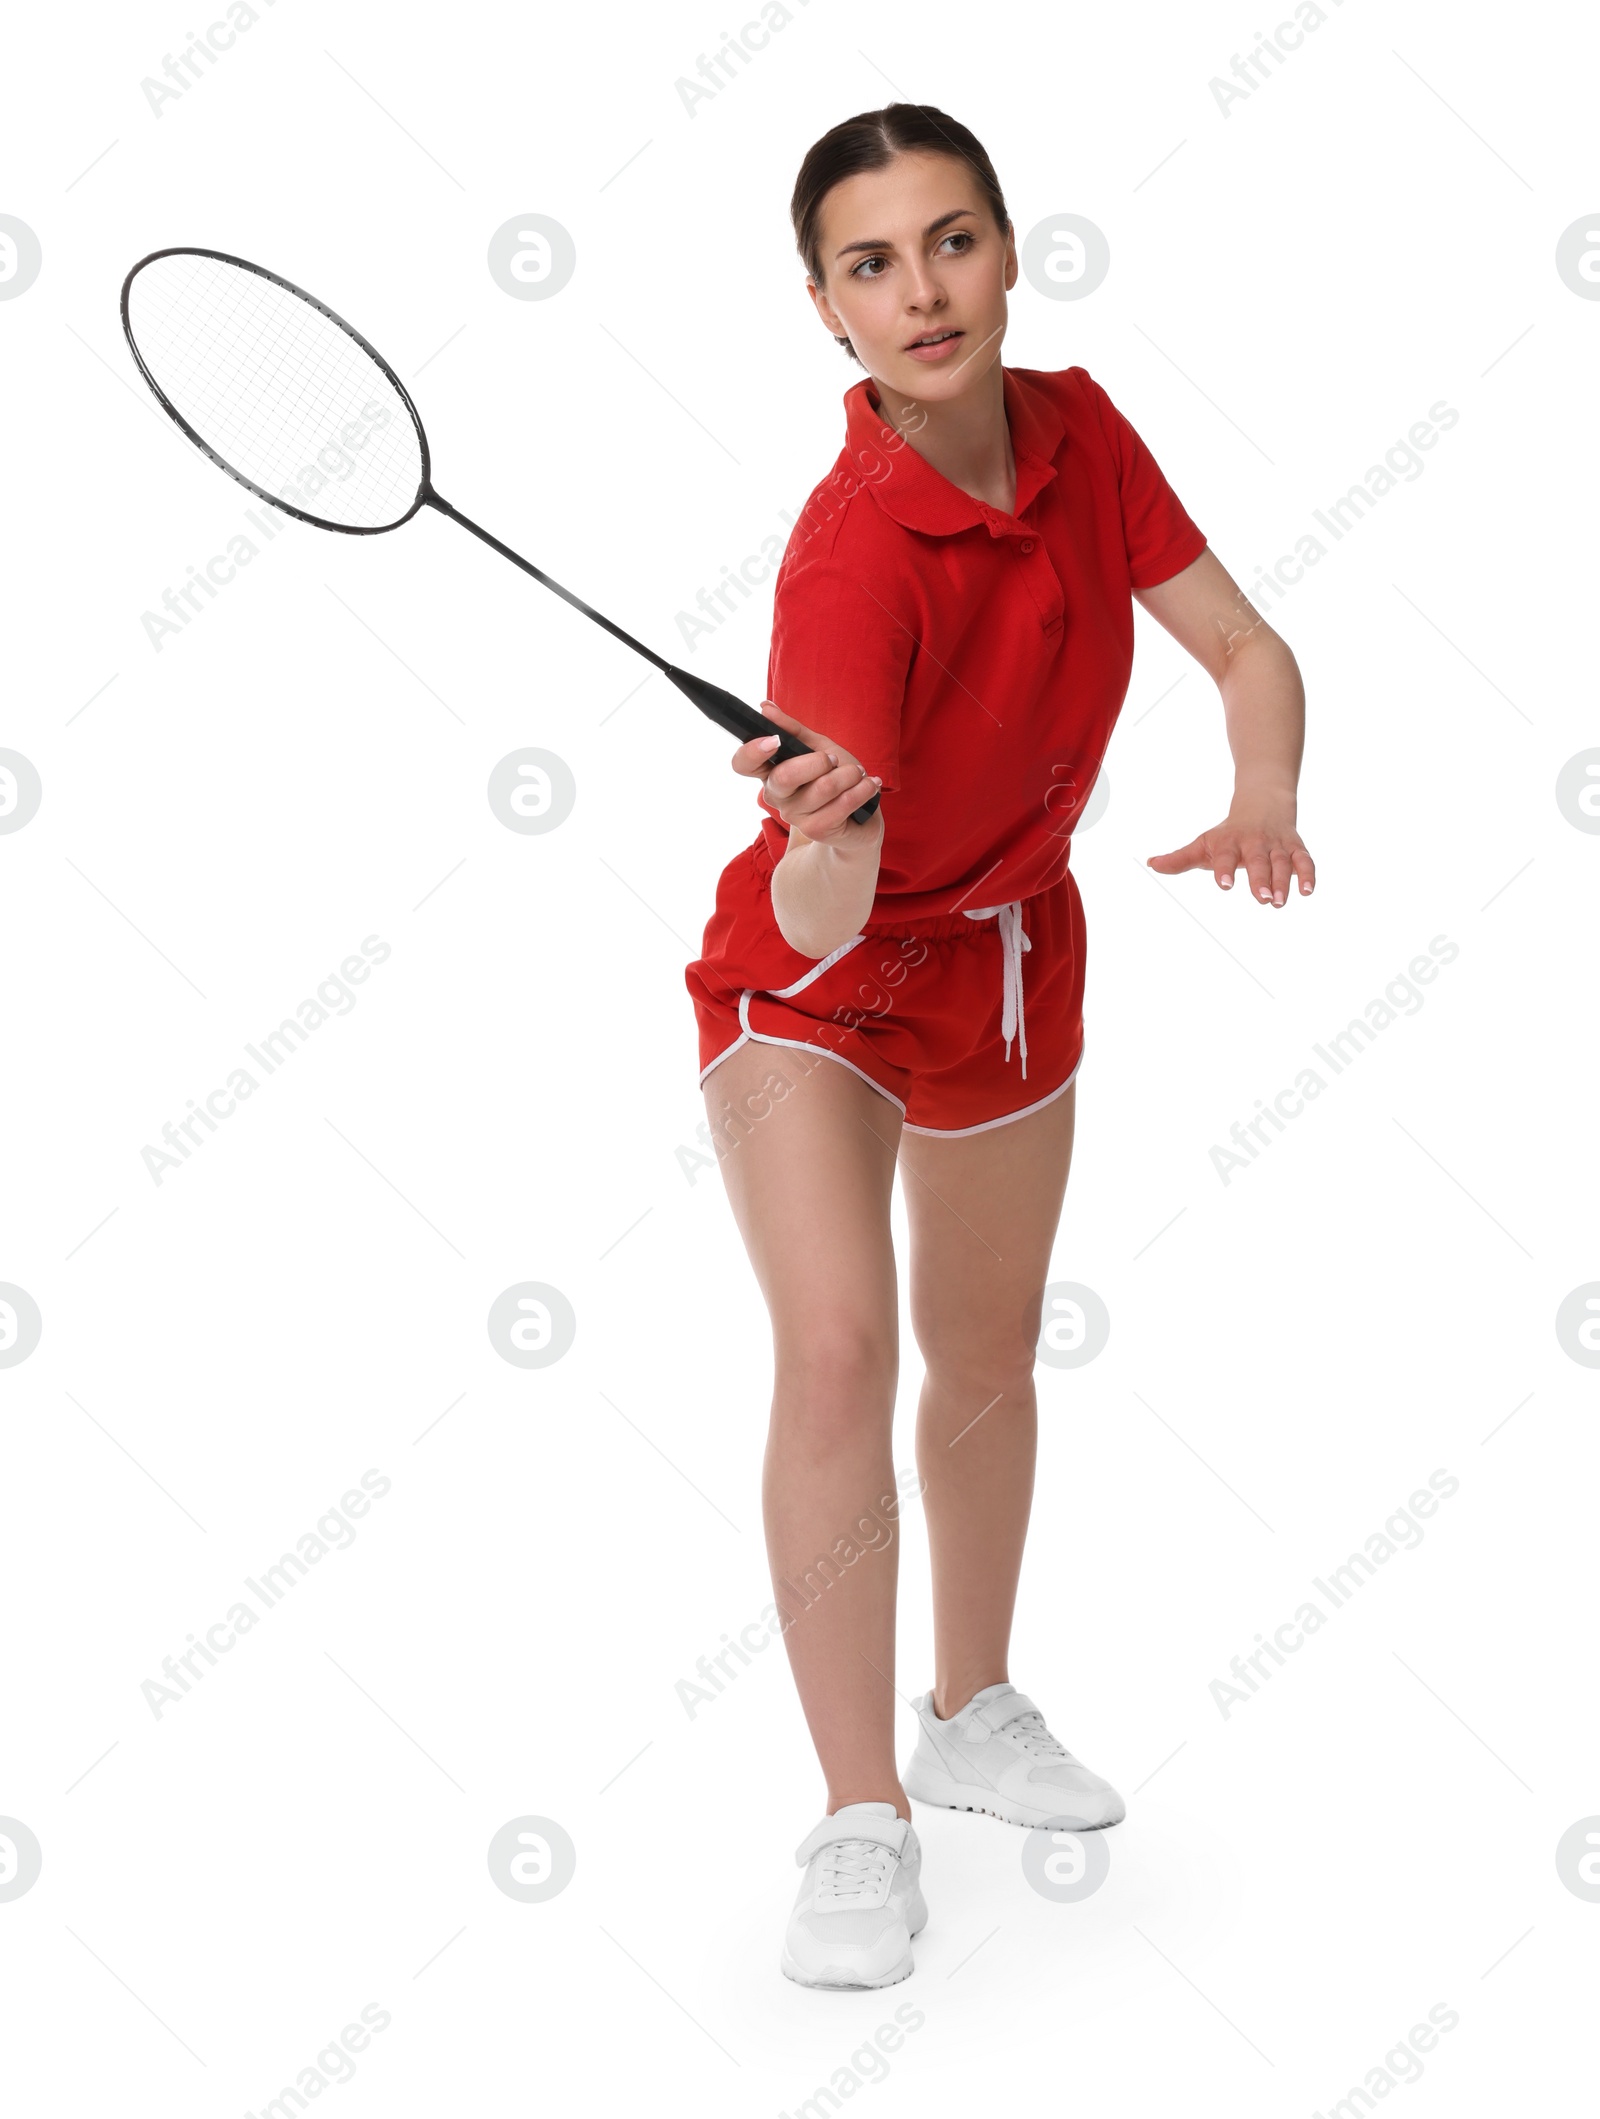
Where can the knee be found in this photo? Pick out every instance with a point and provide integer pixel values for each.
(992, 1352)
(832, 1379)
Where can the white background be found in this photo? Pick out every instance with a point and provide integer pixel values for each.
(305, 1832)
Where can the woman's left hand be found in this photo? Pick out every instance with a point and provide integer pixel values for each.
(1258, 834)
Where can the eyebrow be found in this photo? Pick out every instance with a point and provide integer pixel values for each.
(881, 243)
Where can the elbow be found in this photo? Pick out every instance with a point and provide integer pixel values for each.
(820, 898)
(810, 943)
(1262, 655)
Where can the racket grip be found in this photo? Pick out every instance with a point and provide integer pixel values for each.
(744, 722)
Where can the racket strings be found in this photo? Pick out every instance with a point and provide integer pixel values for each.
(285, 397)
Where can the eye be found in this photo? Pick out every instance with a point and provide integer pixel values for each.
(963, 236)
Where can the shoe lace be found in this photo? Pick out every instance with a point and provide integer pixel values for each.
(850, 1867)
(1031, 1732)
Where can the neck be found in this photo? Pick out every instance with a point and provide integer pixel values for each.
(967, 439)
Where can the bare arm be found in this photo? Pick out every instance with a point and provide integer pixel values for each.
(1264, 702)
(823, 888)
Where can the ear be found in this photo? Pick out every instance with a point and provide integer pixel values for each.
(826, 310)
(1011, 256)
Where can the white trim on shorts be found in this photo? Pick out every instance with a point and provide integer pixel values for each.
(937, 1132)
(988, 1124)
(826, 963)
(800, 1044)
(782, 993)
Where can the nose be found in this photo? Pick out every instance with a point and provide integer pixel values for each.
(925, 293)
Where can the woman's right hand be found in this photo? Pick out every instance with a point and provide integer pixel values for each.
(815, 795)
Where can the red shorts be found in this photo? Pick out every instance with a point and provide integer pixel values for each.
(962, 1022)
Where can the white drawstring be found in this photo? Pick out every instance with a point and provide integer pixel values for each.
(1012, 943)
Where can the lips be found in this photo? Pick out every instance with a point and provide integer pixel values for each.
(933, 337)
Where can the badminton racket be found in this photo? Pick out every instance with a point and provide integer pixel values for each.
(295, 404)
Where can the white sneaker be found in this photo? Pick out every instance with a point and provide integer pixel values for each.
(997, 1756)
(860, 1902)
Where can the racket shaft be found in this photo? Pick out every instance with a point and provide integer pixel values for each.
(527, 566)
(718, 705)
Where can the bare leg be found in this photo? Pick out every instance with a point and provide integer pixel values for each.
(983, 1212)
(807, 1153)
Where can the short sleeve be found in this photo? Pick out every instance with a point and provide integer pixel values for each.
(1160, 536)
(839, 660)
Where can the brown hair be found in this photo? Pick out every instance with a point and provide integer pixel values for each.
(871, 140)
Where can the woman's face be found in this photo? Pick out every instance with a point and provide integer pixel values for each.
(909, 251)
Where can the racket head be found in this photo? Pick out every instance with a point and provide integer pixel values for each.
(195, 328)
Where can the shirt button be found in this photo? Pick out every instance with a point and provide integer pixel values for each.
(1026, 546)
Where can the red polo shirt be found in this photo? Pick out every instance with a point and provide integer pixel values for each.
(977, 660)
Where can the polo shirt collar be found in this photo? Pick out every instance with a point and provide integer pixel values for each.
(921, 498)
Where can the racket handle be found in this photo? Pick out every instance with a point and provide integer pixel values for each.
(744, 722)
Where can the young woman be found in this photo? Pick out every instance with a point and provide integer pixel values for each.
(953, 628)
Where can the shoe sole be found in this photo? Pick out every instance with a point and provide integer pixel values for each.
(840, 1977)
(942, 1793)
